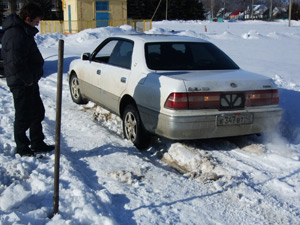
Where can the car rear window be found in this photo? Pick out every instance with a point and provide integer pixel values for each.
(186, 56)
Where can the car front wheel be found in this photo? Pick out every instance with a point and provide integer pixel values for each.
(133, 128)
(75, 90)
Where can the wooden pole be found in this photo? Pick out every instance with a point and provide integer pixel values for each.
(58, 125)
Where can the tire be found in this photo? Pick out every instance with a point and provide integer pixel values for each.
(133, 128)
(75, 90)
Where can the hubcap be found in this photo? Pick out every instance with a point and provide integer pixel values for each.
(75, 88)
(130, 126)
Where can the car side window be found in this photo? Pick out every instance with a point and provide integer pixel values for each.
(121, 54)
(103, 55)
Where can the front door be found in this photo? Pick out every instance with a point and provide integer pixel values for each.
(111, 68)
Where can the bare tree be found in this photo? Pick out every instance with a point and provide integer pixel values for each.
(212, 6)
(229, 5)
(232, 5)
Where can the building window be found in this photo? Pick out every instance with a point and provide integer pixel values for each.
(102, 6)
(102, 13)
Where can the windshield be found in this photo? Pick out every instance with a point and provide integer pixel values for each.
(186, 56)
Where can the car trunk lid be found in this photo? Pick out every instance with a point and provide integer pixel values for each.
(225, 80)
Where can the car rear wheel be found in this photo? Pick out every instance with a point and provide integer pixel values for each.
(133, 128)
(75, 90)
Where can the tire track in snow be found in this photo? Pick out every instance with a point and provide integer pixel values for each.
(244, 170)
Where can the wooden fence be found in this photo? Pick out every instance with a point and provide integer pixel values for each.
(74, 26)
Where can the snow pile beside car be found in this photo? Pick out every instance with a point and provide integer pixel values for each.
(191, 162)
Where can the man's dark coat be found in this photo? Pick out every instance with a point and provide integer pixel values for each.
(23, 62)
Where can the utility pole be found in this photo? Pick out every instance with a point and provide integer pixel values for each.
(212, 8)
(166, 9)
(224, 11)
(252, 9)
(270, 10)
(290, 13)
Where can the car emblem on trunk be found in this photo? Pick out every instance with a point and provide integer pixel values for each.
(233, 85)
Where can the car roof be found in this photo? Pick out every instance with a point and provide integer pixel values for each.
(160, 38)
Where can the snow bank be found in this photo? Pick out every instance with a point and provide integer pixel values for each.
(13, 196)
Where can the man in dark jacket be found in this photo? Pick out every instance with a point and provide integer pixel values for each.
(23, 67)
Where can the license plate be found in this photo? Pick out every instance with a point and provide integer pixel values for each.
(234, 119)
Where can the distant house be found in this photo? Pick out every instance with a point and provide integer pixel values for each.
(221, 13)
(227, 14)
(280, 12)
(236, 15)
(256, 12)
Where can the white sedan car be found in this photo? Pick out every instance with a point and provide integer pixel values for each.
(175, 87)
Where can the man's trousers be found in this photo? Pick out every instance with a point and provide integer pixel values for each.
(29, 114)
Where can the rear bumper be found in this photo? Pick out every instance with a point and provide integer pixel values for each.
(205, 126)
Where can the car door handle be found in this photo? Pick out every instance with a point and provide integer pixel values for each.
(123, 79)
(99, 72)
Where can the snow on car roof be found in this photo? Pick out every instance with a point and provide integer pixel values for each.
(160, 38)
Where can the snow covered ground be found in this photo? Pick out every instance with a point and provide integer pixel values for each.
(104, 179)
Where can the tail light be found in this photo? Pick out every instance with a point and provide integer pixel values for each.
(177, 101)
(264, 97)
(211, 100)
(204, 100)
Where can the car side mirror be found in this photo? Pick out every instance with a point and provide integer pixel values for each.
(86, 56)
